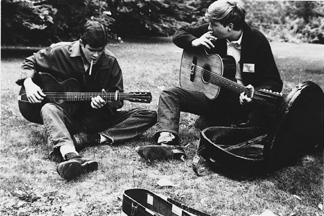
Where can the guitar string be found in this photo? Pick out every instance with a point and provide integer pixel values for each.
(218, 78)
(87, 95)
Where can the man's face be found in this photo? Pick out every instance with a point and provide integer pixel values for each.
(91, 53)
(218, 29)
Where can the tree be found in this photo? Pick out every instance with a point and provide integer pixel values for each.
(36, 22)
(148, 17)
(23, 23)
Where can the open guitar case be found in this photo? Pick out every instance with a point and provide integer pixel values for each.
(249, 152)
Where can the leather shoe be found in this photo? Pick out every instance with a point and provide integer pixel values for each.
(74, 166)
(83, 140)
(161, 152)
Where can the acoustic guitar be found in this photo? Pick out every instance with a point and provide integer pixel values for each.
(66, 94)
(208, 73)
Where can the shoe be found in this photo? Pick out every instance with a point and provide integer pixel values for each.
(55, 155)
(74, 166)
(83, 140)
(161, 152)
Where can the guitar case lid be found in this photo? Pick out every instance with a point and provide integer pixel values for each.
(141, 202)
(250, 151)
(299, 127)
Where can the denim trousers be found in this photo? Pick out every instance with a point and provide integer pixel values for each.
(119, 126)
(223, 110)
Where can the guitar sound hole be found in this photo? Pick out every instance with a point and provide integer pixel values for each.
(206, 74)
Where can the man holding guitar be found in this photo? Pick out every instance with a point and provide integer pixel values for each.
(87, 66)
(210, 87)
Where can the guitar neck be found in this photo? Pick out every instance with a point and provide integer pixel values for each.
(86, 96)
(227, 83)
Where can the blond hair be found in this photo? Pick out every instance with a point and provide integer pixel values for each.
(227, 11)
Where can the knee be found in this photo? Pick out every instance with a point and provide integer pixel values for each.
(50, 109)
(147, 113)
(169, 92)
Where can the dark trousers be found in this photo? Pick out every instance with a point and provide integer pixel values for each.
(223, 110)
(119, 126)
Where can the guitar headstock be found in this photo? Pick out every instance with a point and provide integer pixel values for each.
(269, 93)
(139, 97)
(269, 97)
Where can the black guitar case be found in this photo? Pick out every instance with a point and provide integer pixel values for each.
(299, 128)
(239, 152)
(141, 202)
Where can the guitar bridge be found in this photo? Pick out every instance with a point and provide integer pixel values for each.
(193, 69)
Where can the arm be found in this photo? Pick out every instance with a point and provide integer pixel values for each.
(112, 82)
(271, 77)
(266, 74)
(199, 36)
(34, 93)
(185, 35)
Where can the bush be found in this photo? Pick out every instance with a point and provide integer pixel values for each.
(25, 22)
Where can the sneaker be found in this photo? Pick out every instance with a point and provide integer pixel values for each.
(161, 152)
(82, 140)
(74, 166)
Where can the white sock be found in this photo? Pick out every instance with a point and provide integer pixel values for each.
(64, 149)
(165, 137)
(102, 138)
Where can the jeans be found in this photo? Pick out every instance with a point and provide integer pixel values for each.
(119, 125)
(223, 110)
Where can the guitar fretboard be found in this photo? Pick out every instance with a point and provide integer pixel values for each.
(85, 96)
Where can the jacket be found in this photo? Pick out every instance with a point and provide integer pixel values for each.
(255, 49)
(64, 60)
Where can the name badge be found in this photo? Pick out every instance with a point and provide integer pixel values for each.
(248, 68)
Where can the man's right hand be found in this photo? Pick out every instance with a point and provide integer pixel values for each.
(33, 92)
(205, 40)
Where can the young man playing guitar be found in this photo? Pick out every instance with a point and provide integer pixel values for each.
(226, 33)
(97, 121)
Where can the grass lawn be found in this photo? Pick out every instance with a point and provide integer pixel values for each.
(29, 184)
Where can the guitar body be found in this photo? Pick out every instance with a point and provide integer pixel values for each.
(48, 83)
(196, 68)
(66, 94)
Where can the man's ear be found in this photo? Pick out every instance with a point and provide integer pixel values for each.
(230, 26)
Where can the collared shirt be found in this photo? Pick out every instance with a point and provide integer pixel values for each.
(234, 49)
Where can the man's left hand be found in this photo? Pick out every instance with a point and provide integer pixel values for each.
(97, 102)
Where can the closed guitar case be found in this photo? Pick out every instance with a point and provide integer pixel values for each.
(141, 202)
(298, 129)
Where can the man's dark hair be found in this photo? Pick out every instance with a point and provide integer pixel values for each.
(94, 34)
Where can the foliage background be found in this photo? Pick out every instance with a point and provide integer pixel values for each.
(35, 22)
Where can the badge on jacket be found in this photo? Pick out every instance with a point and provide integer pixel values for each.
(248, 68)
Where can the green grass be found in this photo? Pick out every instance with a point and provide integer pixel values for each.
(29, 184)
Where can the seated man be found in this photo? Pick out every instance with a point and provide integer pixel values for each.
(226, 33)
(96, 122)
